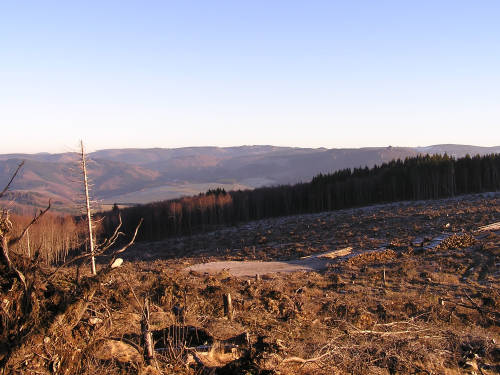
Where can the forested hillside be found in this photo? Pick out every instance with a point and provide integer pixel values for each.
(134, 176)
(421, 177)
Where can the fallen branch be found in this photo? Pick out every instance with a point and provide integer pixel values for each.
(494, 226)
(476, 306)
(391, 333)
(386, 333)
(409, 321)
(202, 348)
(304, 361)
(483, 311)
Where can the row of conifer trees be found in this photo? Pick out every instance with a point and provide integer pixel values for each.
(422, 177)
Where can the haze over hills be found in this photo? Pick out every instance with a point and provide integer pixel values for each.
(145, 175)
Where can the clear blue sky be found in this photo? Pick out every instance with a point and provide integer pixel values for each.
(297, 73)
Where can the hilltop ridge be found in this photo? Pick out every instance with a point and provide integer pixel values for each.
(133, 175)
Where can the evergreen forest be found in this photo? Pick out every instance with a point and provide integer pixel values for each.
(418, 178)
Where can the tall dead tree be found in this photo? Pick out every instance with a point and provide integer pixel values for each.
(87, 208)
(24, 318)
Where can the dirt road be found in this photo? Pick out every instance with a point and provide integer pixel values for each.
(252, 268)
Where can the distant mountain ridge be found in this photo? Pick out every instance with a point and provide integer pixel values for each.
(144, 175)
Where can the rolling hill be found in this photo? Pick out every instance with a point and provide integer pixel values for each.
(142, 175)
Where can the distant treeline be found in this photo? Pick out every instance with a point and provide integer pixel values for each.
(422, 177)
(51, 239)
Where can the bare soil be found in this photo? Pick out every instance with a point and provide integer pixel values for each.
(407, 288)
(249, 268)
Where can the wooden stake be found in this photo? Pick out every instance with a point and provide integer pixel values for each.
(147, 336)
(228, 306)
(89, 214)
(28, 242)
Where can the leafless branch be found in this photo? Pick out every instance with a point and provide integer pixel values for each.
(101, 251)
(10, 265)
(131, 241)
(304, 361)
(11, 179)
(15, 240)
(107, 243)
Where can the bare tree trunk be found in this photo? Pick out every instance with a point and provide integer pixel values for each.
(89, 214)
